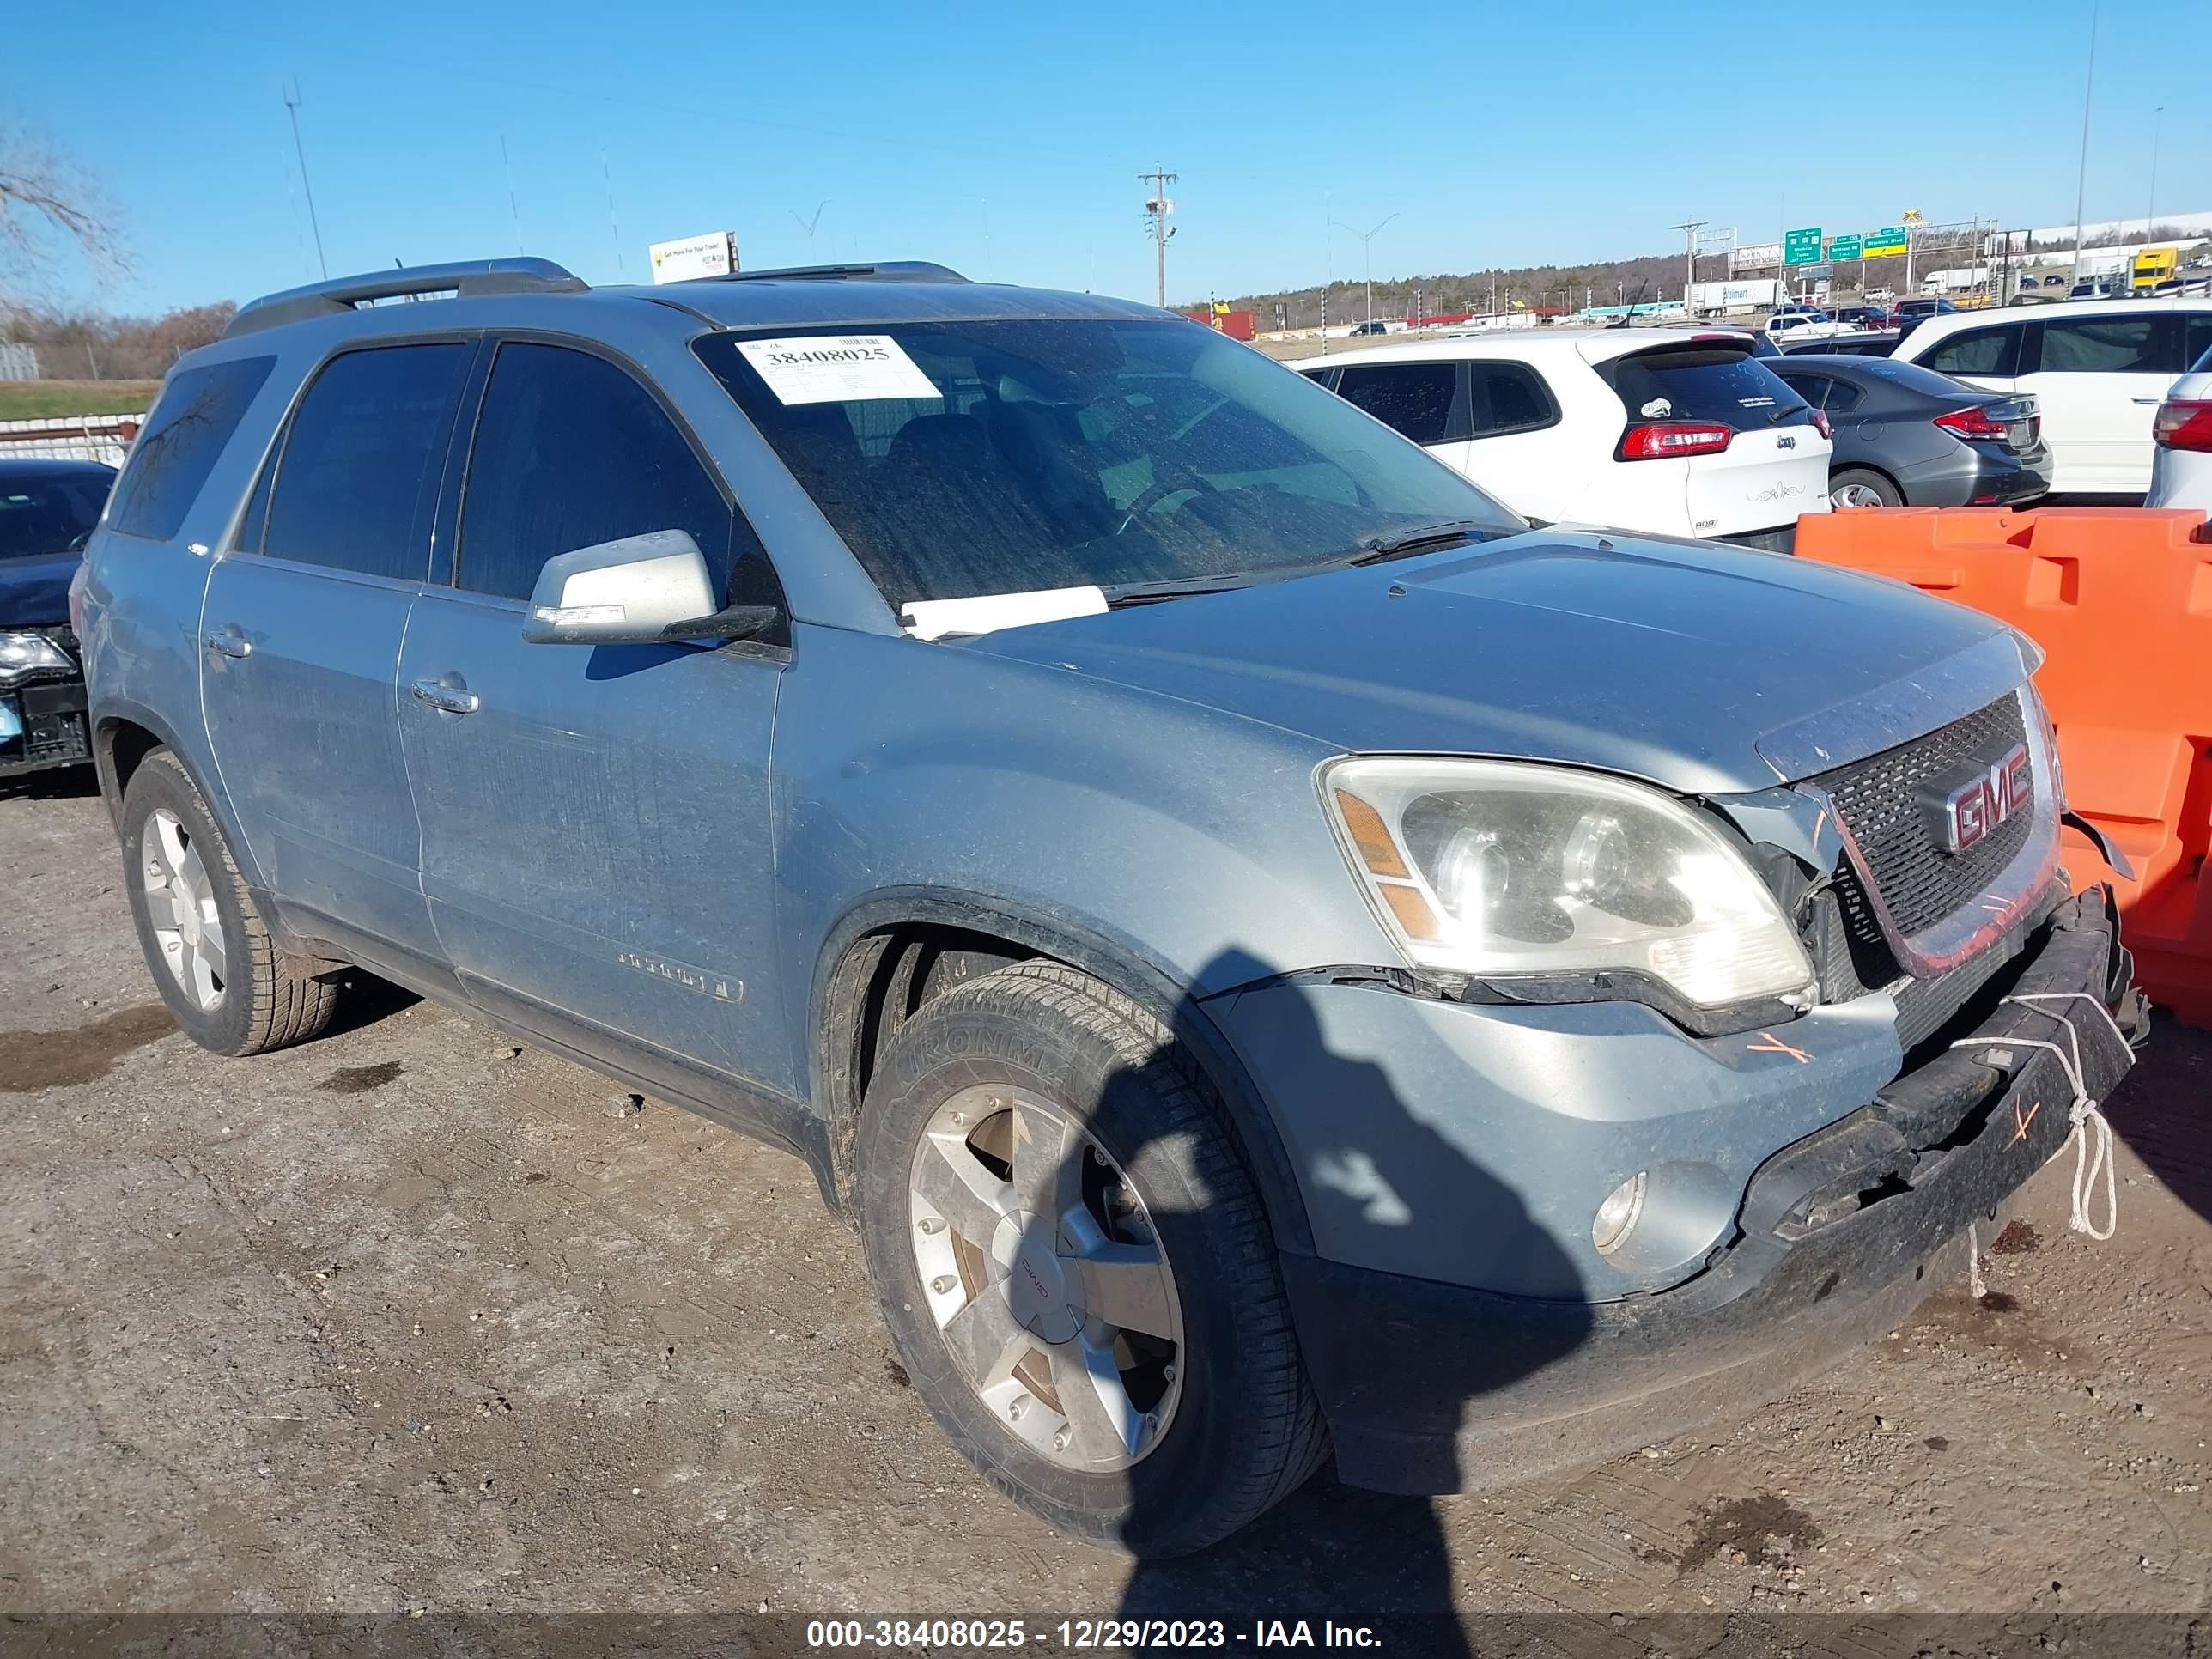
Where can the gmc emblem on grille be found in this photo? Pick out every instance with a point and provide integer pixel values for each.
(1969, 811)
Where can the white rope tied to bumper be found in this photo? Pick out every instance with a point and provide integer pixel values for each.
(2089, 1124)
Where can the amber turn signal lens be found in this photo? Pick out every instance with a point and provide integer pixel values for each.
(1371, 837)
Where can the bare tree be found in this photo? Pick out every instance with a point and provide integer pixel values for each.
(47, 204)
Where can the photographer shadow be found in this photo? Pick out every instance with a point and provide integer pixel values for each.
(1384, 1186)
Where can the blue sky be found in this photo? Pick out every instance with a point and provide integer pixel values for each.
(1006, 142)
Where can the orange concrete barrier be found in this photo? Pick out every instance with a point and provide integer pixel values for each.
(2121, 600)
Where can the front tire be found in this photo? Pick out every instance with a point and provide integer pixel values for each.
(227, 984)
(1076, 1266)
(1854, 486)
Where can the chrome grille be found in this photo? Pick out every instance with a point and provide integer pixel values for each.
(1919, 883)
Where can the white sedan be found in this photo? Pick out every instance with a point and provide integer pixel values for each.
(1674, 432)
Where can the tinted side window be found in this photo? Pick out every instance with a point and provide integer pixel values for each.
(1414, 398)
(1811, 387)
(571, 451)
(1506, 397)
(2100, 345)
(2196, 348)
(358, 476)
(1978, 351)
(1843, 398)
(198, 411)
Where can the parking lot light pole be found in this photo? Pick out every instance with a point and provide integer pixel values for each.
(2150, 207)
(2081, 178)
(1367, 239)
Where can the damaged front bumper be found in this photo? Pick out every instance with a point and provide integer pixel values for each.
(43, 724)
(1431, 1387)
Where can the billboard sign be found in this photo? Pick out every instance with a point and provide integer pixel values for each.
(714, 255)
(1759, 256)
(1801, 247)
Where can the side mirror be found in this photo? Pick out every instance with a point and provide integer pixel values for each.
(637, 590)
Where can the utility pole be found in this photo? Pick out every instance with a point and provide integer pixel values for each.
(2081, 178)
(1689, 257)
(292, 105)
(1158, 206)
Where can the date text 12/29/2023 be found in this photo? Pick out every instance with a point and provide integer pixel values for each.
(1083, 1635)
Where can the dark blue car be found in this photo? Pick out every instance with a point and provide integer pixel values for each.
(48, 510)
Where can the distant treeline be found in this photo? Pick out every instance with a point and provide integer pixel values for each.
(85, 345)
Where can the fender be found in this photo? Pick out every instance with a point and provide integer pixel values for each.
(1118, 960)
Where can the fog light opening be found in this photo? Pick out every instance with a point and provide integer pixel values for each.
(1617, 1217)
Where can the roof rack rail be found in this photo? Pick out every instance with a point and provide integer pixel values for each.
(888, 271)
(465, 278)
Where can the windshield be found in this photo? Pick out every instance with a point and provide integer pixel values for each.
(43, 516)
(966, 459)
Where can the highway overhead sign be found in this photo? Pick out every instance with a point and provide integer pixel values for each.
(1801, 247)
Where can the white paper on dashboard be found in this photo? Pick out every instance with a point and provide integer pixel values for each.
(987, 613)
(836, 369)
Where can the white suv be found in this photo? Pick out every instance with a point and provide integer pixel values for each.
(2099, 368)
(1672, 432)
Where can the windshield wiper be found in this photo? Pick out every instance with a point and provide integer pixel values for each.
(1396, 543)
(1371, 549)
(1182, 587)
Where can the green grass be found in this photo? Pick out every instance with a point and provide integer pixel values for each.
(36, 400)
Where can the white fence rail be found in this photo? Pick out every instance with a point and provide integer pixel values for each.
(71, 438)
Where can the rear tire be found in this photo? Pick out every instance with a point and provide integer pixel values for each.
(225, 982)
(1220, 1422)
(1854, 486)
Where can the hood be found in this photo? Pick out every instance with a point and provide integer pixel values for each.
(34, 592)
(1699, 668)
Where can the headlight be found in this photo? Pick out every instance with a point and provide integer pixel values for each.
(1502, 867)
(23, 653)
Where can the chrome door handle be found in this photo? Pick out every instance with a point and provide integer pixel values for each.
(453, 699)
(227, 643)
(2150, 400)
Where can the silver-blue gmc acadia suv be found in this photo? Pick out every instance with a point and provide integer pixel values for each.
(1275, 956)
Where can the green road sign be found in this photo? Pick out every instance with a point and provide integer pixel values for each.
(1801, 247)
(1847, 248)
(1888, 240)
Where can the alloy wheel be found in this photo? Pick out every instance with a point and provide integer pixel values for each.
(1045, 1278)
(1855, 494)
(181, 909)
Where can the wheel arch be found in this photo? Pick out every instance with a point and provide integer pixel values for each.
(122, 735)
(856, 969)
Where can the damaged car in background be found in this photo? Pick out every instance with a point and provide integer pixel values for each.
(1277, 957)
(47, 511)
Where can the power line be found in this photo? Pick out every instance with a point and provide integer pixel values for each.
(292, 105)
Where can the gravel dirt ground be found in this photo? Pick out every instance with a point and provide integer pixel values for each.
(409, 1319)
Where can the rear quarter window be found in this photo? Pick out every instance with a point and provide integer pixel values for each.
(198, 411)
(1726, 385)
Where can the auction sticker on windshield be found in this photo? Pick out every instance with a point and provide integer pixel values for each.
(836, 369)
